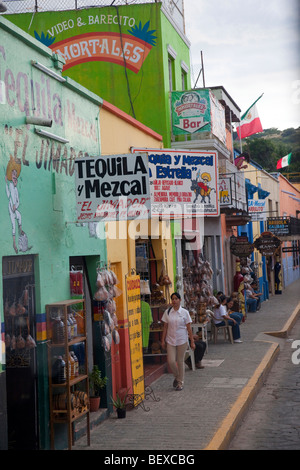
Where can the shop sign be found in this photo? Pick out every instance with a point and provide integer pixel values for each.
(278, 225)
(190, 111)
(112, 188)
(15, 266)
(182, 184)
(241, 247)
(225, 194)
(267, 244)
(197, 111)
(256, 208)
(135, 334)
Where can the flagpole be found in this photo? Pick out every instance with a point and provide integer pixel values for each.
(245, 113)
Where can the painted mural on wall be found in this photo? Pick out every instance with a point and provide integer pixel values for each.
(86, 36)
(119, 53)
(36, 170)
(13, 170)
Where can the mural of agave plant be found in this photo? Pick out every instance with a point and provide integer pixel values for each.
(46, 40)
(142, 32)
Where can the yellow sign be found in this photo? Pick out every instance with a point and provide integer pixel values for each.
(135, 334)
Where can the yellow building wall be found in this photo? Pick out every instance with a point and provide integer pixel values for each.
(119, 132)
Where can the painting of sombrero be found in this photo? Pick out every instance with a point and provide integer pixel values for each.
(12, 165)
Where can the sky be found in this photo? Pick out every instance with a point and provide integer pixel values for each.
(249, 47)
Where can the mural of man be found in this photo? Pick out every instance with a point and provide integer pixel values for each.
(11, 178)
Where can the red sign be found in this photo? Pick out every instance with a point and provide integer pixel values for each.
(105, 47)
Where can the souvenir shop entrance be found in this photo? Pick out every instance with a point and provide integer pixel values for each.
(21, 365)
(152, 266)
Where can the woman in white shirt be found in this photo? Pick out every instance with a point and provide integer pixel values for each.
(177, 330)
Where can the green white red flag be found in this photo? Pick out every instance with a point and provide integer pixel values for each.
(250, 122)
(284, 161)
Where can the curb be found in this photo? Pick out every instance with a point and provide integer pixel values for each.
(229, 425)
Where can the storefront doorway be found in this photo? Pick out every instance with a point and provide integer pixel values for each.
(21, 367)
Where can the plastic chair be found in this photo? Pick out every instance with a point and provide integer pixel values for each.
(227, 329)
(190, 353)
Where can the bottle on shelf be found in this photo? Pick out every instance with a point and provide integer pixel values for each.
(59, 370)
(75, 324)
(71, 366)
(58, 331)
(76, 364)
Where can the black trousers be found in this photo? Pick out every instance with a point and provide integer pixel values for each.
(199, 351)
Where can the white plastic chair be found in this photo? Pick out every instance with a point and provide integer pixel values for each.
(190, 353)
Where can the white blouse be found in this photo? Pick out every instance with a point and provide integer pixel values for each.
(177, 320)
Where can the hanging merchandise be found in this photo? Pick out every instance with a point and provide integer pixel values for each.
(164, 279)
(107, 290)
(198, 293)
(76, 281)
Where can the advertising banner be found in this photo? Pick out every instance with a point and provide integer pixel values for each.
(256, 208)
(113, 187)
(135, 334)
(182, 183)
(278, 225)
(190, 111)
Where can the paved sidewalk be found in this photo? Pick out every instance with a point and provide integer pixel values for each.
(205, 414)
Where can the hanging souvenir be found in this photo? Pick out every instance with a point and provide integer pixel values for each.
(76, 282)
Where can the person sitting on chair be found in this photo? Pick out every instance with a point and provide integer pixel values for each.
(221, 314)
(200, 347)
(238, 316)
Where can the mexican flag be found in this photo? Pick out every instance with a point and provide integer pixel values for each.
(250, 122)
(284, 161)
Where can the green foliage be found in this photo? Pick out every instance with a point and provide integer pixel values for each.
(118, 402)
(269, 146)
(96, 382)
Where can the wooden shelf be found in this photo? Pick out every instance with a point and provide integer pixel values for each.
(67, 414)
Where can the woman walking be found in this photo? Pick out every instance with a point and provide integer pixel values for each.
(177, 330)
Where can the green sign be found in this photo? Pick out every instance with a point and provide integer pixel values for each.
(191, 111)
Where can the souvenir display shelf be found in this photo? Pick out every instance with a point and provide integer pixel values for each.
(156, 293)
(68, 387)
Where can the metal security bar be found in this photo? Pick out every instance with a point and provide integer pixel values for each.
(174, 8)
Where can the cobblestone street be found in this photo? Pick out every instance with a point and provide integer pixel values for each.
(273, 422)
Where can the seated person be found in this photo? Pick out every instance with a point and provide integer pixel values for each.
(251, 299)
(255, 290)
(221, 314)
(236, 303)
(238, 316)
(200, 347)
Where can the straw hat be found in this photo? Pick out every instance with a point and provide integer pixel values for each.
(206, 176)
(12, 165)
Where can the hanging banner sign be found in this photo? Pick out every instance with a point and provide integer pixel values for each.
(256, 208)
(182, 183)
(112, 187)
(240, 246)
(135, 334)
(278, 225)
(267, 244)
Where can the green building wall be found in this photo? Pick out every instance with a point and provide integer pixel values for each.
(45, 183)
(142, 93)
